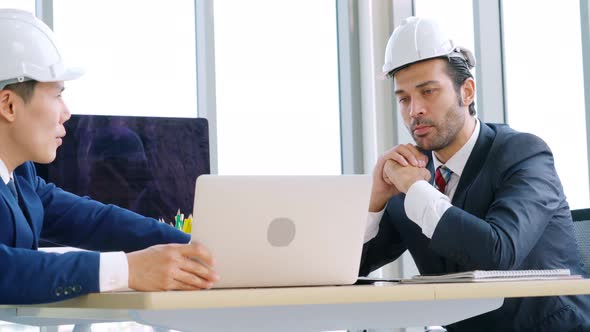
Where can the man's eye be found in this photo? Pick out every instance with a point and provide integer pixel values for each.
(403, 100)
(428, 91)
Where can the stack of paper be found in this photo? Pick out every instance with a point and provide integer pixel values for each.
(483, 276)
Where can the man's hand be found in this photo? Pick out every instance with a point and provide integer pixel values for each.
(383, 188)
(403, 177)
(171, 266)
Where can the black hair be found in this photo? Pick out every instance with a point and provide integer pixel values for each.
(24, 89)
(458, 71)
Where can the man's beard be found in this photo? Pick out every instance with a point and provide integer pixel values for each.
(446, 132)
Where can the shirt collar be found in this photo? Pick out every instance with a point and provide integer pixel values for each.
(4, 172)
(457, 162)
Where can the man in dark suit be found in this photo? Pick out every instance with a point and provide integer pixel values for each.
(469, 195)
(139, 253)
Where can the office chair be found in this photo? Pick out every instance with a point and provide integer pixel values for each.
(581, 219)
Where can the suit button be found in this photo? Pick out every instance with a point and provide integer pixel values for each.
(58, 291)
(77, 288)
(67, 290)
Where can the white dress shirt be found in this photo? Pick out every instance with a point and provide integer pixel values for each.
(424, 204)
(113, 269)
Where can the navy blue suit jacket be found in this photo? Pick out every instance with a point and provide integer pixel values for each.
(44, 211)
(509, 213)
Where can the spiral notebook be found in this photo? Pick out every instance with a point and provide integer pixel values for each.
(494, 275)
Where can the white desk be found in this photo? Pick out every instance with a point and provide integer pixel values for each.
(293, 309)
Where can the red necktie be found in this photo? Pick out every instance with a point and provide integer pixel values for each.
(441, 178)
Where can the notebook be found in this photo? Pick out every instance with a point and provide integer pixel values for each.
(494, 275)
(267, 231)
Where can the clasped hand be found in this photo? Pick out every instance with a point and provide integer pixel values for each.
(403, 177)
(396, 171)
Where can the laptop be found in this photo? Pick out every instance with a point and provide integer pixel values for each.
(271, 231)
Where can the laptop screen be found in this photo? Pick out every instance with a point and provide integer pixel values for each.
(146, 164)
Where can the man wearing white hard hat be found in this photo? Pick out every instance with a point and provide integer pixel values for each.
(140, 253)
(469, 195)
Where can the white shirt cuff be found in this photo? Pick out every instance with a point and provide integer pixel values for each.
(113, 271)
(425, 205)
(372, 228)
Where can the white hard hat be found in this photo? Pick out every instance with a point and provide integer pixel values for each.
(418, 39)
(28, 51)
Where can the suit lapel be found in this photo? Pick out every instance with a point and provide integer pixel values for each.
(430, 166)
(23, 230)
(8, 197)
(474, 164)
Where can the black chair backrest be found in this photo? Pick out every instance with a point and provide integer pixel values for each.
(581, 219)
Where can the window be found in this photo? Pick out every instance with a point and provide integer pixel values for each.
(545, 85)
(277, 87)
(139, 56)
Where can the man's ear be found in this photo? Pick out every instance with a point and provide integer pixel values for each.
(468, 91)
(7, 99)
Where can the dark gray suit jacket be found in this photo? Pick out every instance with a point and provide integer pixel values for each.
(509, 213)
